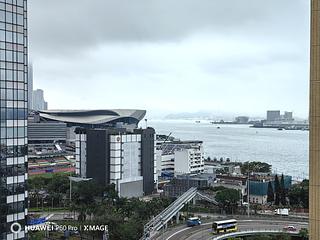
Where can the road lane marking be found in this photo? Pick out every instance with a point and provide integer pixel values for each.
(239, 221)
(184, 229)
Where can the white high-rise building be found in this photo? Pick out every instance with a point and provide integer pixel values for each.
(117, 156)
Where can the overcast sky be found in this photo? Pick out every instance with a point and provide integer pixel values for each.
(172, 55)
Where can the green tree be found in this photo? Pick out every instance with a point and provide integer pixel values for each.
(270, 197)
(130, 230)
(299, 194)
(283, 194)
(98, 205)
(218, 188)
(277, 190)
(53, 186)
(305, 193)
(36, 235)
(86, 192)
(126, 217)
(228, 199)
(294, 195)
(283, 236)
(261, 167)
(303, 234)
(58, 184)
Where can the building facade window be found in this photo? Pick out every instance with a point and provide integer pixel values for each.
(13, 116)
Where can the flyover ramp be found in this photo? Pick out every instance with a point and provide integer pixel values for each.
(166, 215)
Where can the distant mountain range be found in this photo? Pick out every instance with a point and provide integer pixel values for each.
(217, 116)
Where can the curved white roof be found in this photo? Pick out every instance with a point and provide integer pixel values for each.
(102, 116)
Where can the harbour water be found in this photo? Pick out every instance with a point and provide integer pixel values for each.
(286, 150)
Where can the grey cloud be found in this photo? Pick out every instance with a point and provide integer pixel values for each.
(232, 55)
(62, 26)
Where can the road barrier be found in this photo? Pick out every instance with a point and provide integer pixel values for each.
(251, 233)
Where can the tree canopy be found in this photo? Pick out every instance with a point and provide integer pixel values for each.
(270, 196)
(283, 191)
(277, 190)
(299, 194)
(255, 167)
(228, 199)
(100, 205)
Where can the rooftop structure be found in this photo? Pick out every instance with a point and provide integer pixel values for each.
(181, 183)
(176, 145)
(95, 118)
(179, 157)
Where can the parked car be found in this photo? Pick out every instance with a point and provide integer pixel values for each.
(290, 228)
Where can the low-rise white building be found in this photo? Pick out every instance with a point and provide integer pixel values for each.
(180, 157)
(189, 160)
(165, 163)
(258, 199)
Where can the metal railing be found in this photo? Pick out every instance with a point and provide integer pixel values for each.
(207, 198)
(165, 216)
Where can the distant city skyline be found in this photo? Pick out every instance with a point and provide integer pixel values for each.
(224, 115)
(38, 101)
(171, 59)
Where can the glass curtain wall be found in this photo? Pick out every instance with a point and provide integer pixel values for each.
(13, 118)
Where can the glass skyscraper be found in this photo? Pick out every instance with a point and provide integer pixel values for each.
(13, 116)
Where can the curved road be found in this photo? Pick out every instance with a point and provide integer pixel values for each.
(203, 232)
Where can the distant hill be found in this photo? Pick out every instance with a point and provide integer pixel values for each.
(201, 116)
